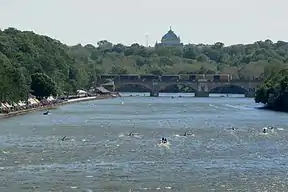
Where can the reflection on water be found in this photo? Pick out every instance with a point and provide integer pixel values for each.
(99, 155)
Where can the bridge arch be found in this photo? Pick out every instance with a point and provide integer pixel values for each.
(230, 88)
(133, 87)
(176, 87)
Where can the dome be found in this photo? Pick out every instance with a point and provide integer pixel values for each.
(170, 39)
(170, 35)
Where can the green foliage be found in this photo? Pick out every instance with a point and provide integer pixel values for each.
(274, 91)
(13, 85)
(42, 85)
(75, 67)
(26, 53)
(241, 61)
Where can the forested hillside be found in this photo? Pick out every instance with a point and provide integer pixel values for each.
(23, 54)
(242, 61)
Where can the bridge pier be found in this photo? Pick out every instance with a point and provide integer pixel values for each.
(201, 94)
(202, 88)
(250, 94)
(154, 94)
(155, 89)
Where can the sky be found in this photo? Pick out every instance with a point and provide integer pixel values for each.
(131, 21)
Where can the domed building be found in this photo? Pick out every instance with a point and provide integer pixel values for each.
(170, 39)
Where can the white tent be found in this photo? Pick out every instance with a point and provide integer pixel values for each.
(2, 106)
(51, 98)
(15, 104)
(32, 101)
(21, 103)
(81, 92)
(7, 105)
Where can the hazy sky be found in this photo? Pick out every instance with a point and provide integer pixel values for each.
(127, 21)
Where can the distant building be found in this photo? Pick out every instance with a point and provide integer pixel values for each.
(170, 39)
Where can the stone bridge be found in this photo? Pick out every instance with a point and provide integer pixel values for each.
(200, 83)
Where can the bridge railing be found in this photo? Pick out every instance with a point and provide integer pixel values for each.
(178, 78)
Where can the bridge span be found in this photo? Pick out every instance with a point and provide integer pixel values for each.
(203, 84)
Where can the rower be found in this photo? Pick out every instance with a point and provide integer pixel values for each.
(63, 138)
(164, 140)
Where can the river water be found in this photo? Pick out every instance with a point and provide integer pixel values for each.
(98, 155)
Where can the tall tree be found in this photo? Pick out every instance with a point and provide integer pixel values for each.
(42, 85)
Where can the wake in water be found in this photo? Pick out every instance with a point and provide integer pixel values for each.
(267, 130)
(164, 142)
(136, 135)
(121, 135)
(187, 135)
(166, 145)
(131, 134)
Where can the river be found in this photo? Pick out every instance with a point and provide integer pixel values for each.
(99, 156)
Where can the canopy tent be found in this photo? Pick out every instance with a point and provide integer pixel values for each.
(33, 101)
(102, 90)
(81, 92)
(15, 104)
(2, 106)
(21, 103)
(51, 98)
(7, 105)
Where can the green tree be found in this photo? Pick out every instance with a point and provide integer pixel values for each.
(23, 53)
(273, 69)
(190, 52)
(273, 93)
(105, 45)
(155, 71)
(13, 85)
(117, 69)
(42, 85)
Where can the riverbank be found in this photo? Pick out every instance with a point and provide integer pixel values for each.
(275, 109)
(53, 106)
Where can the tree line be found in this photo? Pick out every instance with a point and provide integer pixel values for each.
(40, 65)
(274, 91)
